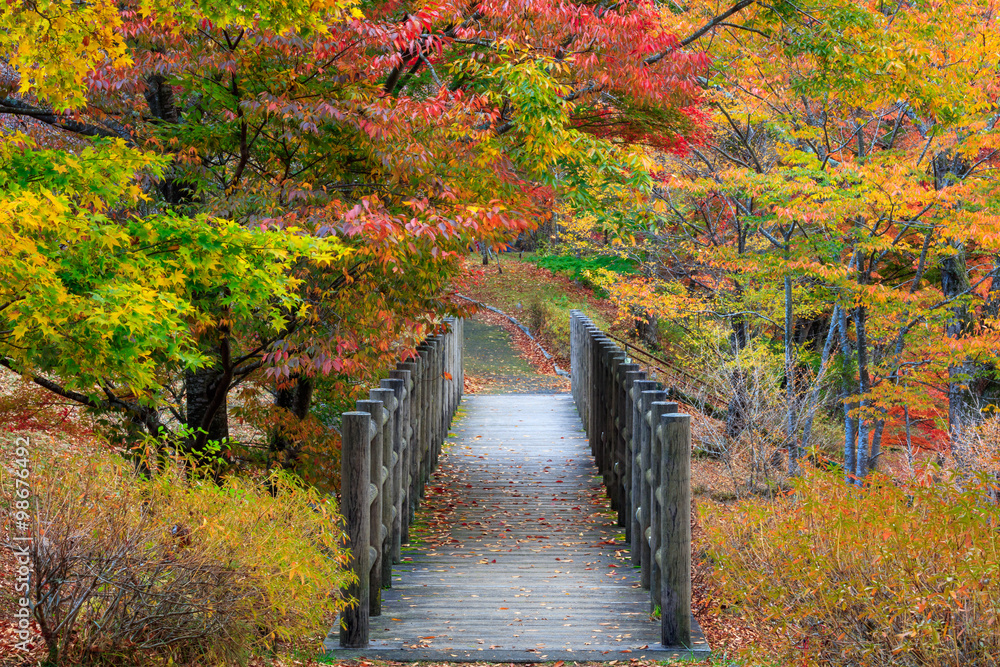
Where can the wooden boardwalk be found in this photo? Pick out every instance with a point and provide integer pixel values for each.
(515, 556)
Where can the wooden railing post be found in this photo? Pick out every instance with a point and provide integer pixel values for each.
(646, 499)
(639, 427)
(443, 345)
(602, 406)
(426, 396)
(622, 460)
(355, 505)
(675, 519)
(389, 461)
(594, 393)
(376, 531)
(413, 493)
(615, 359)
(434, 403)
(590, 341)
(457, 370)
(439, 401)
(406, 434)
(452, 360)
(656, 410)
(396, 426)
(628, 463)
(575, 367)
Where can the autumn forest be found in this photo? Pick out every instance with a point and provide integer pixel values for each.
(223, 222)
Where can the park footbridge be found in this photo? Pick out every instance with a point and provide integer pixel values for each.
(520, 527)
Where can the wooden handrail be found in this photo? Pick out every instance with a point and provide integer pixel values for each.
(390, 447)
(712, 404)
(642, 447)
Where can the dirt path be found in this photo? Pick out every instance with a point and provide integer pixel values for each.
(494, 366)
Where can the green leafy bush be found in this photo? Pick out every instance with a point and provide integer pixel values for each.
(134, 568)
(885, 574)
(577, 267)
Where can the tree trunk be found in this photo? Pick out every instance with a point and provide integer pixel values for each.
(207, 413)
(862, 458)
(850, 423)
(962, 402)
(823, 365)
(296, 399)
(793, 447)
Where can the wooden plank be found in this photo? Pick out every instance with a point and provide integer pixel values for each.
(516, 548)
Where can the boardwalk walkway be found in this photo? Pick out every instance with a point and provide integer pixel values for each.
(515, 556)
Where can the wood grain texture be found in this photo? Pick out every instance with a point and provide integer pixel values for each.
(516, 549)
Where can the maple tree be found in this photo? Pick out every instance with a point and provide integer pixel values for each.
(844, 201)
(371, 142)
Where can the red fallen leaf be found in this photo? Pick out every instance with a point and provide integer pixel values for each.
(558, 663)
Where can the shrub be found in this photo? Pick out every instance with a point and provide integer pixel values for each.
(577, 268)
(127, 567)
(880, 575)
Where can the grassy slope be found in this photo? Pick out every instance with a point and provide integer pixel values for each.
(538, 298)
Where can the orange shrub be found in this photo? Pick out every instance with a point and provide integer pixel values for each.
(902, 575)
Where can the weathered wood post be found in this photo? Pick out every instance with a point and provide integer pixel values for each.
(589, 339)
(376, 531)
(414, 367)
(396, 426)
(450, 370)
(622, 460)
(675, 520)
(574, 351)
(647, 502)
(406, 433)
(461, 359)
(596, 392)
(355, 504)
(605, 349)
(389, 461)
(593, 390)
(434, 403)
(657, 410)
(423, 458)
(439, 409)
(616, 357)
(630, 377)
(640, 405)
